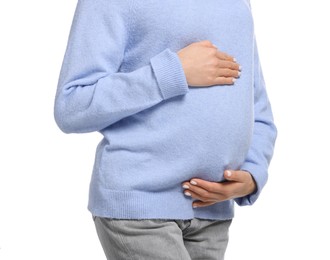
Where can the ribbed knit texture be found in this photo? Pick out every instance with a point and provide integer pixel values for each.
(121, 76)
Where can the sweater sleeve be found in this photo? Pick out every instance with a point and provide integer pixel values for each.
(92, 94)
(264, 136)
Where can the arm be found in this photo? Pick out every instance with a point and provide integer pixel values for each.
(264, 136)
(91, 93)
(244, 186)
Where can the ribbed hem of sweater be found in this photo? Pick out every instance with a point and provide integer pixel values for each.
(153, 205)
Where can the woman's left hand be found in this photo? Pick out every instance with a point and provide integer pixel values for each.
(205, 193)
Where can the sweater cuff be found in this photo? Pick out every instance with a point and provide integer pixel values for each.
(260, 177)
(169, 74)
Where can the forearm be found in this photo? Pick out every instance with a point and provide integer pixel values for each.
(90, 103)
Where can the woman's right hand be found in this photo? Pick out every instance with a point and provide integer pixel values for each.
(204, 65)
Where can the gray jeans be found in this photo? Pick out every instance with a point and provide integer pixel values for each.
(163, 239)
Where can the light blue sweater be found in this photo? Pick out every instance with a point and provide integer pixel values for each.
(121, 76)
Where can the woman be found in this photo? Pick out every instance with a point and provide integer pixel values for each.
(176, 90)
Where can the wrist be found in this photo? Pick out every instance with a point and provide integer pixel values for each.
(253, 185)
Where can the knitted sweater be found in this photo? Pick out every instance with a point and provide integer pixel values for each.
(121, 76)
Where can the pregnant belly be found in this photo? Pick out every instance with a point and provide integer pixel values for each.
(222, 130)
(199, 135)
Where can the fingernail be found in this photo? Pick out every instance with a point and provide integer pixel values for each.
(234, 80)
(195, 206)
(214, 46)
(185, 186)
(193, 182)
(187, 193)
(234, 59)
(229, 173)
(239, 74)
(240, 67)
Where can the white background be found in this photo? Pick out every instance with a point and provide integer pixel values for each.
(44, 174)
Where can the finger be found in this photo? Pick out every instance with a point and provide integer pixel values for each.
(219, 190)
(229, 73)
(200, 204)
(238, 176)
(209, 186)
(224, 56)
(207, 198)
(224, 81)
(225, 64)
(201, 194)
